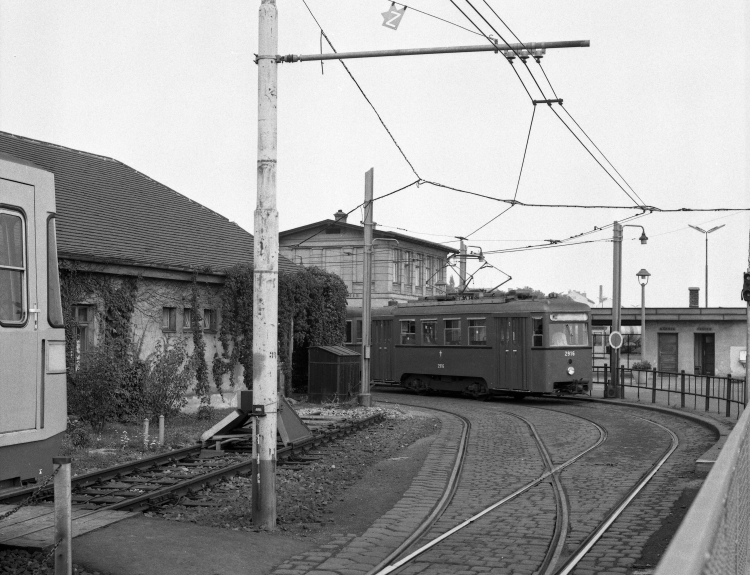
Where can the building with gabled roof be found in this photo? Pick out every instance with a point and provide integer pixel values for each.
(115, 222)
(404, 268)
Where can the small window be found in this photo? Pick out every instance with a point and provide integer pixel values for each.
(209, 320)
(348, 336)
(429, 332)
(359, 331)
(452, 332)
(538, 337)
(477, 332)
(83, 322)
(408, 332)
(169, 319)
(54, 305)
(187, 318)
(12, 268)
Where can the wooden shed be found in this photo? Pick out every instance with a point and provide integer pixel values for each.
(333, 372)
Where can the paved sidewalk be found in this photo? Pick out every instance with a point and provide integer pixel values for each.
(351, 554)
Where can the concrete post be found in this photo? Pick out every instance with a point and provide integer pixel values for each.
(462, 267)
(63, 517)
(265, 278)
(364, 396)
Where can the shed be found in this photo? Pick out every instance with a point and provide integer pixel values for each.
(333, 373)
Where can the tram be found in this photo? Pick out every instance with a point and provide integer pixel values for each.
(33, 413)
(481, 347)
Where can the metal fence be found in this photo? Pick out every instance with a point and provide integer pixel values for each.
(724, 395)
(713, 538)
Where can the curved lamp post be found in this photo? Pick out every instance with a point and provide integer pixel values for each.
(643, 276)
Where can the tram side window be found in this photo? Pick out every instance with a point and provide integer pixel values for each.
(452, 332)
(12, 268)
(54, 305)
(538, 338)
(429, 332)
(477, 332)
(408, 331)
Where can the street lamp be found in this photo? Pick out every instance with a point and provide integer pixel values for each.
(706, 234)
(643, 276)
(613, 390)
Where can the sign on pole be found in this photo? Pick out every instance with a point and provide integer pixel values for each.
(392, 18)
(615, 339)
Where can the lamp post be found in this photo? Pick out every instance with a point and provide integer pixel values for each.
(643, 276)
(706, 234)
(617, 232)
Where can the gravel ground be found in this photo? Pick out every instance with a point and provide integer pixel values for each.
(305, 493)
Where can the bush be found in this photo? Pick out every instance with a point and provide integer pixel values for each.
(167, 379)
(93, 390)
(641, 365)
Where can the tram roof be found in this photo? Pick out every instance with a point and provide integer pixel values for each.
(473, 306)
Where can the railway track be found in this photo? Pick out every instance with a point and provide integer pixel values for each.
(163, 478)
(557, 560)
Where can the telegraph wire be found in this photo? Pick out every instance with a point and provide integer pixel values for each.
(437, 18)
(361, 91)
(518, 183)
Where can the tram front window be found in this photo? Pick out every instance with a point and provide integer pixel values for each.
(565, 334)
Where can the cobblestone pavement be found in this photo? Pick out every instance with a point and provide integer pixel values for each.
(502, 455)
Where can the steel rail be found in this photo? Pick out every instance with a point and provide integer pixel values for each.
(586, 546)
(445, 500)
(527, 47)
(404, 561)
(188, 485)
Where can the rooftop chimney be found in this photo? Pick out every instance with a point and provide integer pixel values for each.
(340, 216)
(694, 292)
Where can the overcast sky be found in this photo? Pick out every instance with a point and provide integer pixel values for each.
(170, 88)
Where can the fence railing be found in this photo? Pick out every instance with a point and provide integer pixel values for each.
(724, 395)
(713, 538)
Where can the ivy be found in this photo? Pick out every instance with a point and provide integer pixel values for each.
(198, 359)
(313, 298)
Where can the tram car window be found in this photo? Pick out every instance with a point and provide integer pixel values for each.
(429, 332)
(477, 332)
(538, 337)
(408, 331)
(452, 331)
(12, 267)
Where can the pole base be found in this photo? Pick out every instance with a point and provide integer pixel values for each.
(365, 400)
(611, 391)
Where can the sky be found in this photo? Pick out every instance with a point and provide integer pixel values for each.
(170, 89)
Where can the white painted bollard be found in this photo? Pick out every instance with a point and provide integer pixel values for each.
(161, 430)
(145, 433)
(63, 514)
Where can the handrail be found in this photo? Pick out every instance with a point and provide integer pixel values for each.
(713, 537)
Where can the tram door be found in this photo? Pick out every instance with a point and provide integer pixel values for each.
(381, 350)
(19, 337)
(511, 338)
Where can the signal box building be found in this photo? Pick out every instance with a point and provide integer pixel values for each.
(402, 270)
(701, 341)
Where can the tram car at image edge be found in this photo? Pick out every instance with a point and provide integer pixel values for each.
(33, 413)
(480, 347)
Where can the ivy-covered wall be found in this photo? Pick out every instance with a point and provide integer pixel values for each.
(128, 313)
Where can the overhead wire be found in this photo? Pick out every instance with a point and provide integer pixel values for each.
(518, 183)
(361, 91)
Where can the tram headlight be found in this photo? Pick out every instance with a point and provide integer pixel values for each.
(571, 370)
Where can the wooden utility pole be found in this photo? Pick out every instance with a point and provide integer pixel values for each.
(266, 273)
(364, 397)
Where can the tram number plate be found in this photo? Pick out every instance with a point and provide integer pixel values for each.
(441, 366)
(569, 353)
